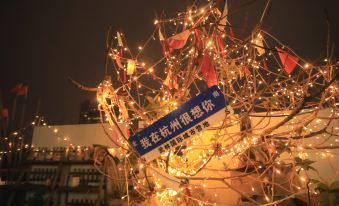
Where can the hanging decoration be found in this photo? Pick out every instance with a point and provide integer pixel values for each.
(208, 70)
(178, 41)
(259, 45)
(223, 18)
(288, 61)
(171, 81)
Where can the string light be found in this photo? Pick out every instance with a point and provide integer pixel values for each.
(250, 82)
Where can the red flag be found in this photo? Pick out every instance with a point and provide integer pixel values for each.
(188, 193)
(161, 36)
(221, 45)
(127, 133)
(264, 64)
(197, 41)
(178, 41)
(117, 56)
(196, 37)
(231, 33)
(4, 113)
(288, 61)
(223, 16)
(244, 70)
(154, 77)
(118, 76)
(171, 81)
(22, 91)
(125, 77)
(165, 49)
(208, 70)
(117, 137)
(118, 61)
(16, 88)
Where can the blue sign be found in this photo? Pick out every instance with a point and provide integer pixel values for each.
(172, 130)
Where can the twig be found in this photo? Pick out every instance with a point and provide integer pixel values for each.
(82, 87)
(240, 193)
(300, 106)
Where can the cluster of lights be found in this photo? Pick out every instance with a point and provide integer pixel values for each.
(247, 84)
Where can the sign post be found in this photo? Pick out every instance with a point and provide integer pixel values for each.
(196, 115)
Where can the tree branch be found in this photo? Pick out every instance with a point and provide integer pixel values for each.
(82, 87)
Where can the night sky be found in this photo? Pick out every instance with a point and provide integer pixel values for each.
(44, 42)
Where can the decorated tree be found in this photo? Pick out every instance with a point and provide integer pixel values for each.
(279, 115)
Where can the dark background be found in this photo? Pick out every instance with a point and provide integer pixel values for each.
(44, 42)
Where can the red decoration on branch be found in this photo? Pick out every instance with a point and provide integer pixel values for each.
(208, 70)
(125, 76)
(178, 41)
(23, 91)
(117, 137)
(171, 81)
(264, 64)
(188, 194)
(165, 49)
(20, 90)
(221, 45)
(4, 113)
(154, 77)
(244, 70)
(231, 33)
(288, 61)
(16, 88)
(127, 133)
(197, 40)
